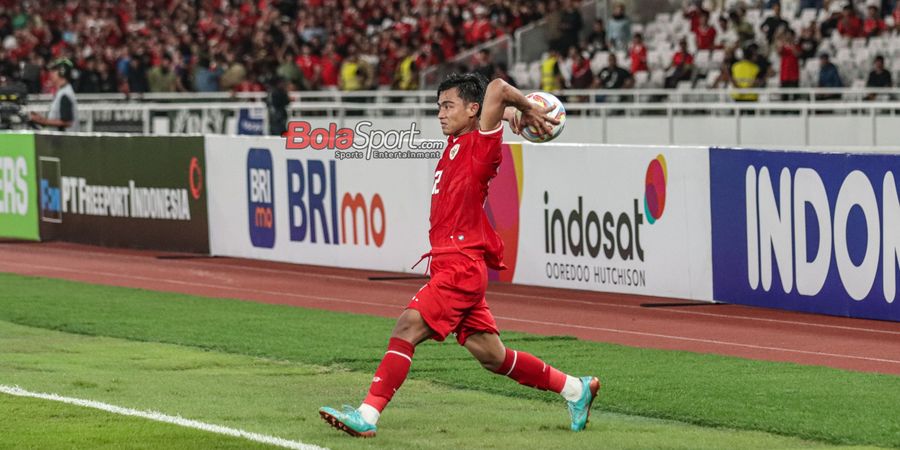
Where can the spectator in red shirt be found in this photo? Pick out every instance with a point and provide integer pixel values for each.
(850, 25)
(693, 12)
(682, 66)
(330, 66)
(638, 54)
(874, 24)
(896, 15)
(789, 51)
(582, 76)
(309, 64)
(478, 30)
(705, 34)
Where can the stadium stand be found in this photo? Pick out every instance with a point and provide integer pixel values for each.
(320, 45)
(165, 45)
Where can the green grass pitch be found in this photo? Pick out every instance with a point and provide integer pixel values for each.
(266, 369)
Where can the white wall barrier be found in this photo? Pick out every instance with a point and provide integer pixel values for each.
(304, 206)
(605, 218)
(616, 219)
(807, 231)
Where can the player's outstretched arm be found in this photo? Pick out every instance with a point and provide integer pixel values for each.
(500, 95)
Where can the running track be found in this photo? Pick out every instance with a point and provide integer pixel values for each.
(756, 333)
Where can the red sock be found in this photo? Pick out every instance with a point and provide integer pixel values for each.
(530, 371)
(390, 374)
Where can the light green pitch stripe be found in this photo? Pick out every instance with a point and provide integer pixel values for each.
(160, 417)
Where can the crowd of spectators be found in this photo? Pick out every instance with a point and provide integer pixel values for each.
(243, 45)
(748, 50)
(135, 46)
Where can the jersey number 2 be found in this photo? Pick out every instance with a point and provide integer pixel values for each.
(437, 179)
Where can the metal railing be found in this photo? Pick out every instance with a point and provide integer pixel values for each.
(766, 95)
(152, 118)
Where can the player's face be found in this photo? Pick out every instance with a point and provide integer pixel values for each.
(456, 114)
(54, 77)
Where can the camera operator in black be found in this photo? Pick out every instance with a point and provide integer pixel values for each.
(63, 113)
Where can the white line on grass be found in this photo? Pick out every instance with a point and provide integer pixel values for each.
(159, 417)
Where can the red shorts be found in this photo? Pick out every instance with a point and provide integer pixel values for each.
(453, 300)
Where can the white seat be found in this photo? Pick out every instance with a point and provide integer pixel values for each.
(657, 78)
(838, 41)
(812, 67)
(666, 57)
(712, 76)
(753, 16)
(843, 55)
(599, 61)
(808, 15)
(520, 74)
(702, 60)
(534, 73)
(642, 79)
(718, 56)
(654, 59)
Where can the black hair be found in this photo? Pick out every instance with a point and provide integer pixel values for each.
(63, 66)
(471, 87)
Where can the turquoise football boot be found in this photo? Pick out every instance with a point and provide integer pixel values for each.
(580, 410)
(349, 421)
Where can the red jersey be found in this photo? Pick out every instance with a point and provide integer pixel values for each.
(873, 27)
(459, 223)
(706, 38)
(638, 58)
(790, 65)
(681, 58)
(851, 27)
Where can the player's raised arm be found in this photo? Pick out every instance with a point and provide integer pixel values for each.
(500, 102)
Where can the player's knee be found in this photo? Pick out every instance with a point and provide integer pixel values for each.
(411, 327)
(491, 362)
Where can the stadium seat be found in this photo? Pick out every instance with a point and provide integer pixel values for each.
(534, 73)
(702, 60)
(642, 80)
(599, 61)
(657, 79)
(712, 76)
(808, 15)
(717, 57)
(753, 17)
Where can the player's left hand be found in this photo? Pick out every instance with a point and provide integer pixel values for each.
(536, 116)
(37, 118)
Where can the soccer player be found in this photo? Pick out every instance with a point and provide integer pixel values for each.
(463, 246)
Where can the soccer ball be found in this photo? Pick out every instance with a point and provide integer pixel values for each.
(559, 112)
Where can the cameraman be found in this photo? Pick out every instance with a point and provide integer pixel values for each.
(64, 108)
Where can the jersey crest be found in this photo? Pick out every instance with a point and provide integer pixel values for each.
(453, 151)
